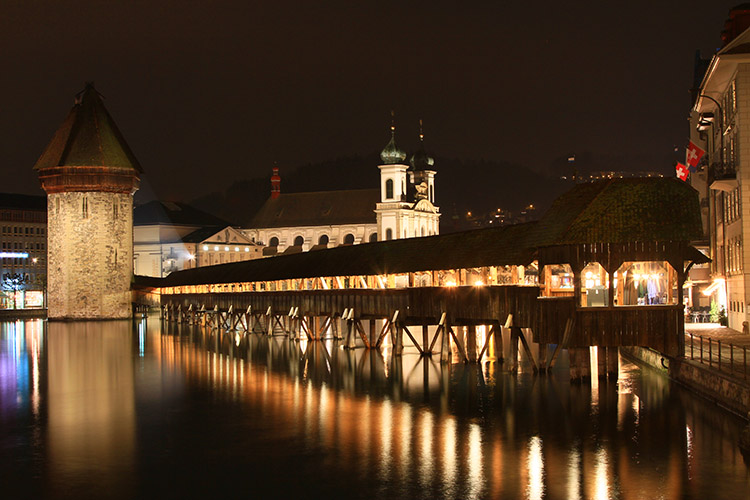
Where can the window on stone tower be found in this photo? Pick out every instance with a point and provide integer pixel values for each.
(323, 240)
(114, 210)
(273, 242)
(349, 239)
(298, 241)
(389, 189)
(85, 208)
(388, 234)
(432, 194)
(373, 237)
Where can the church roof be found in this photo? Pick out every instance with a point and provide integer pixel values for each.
(181, 214)
(322, 208)
(88, 137)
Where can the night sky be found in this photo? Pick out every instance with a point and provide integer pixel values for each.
(211, 92)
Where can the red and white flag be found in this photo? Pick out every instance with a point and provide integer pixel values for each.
(682, 171)
(693, 156)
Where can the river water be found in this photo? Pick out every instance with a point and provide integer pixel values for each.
(141, 409)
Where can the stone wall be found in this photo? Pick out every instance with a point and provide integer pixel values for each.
(728, 392)
(90, 241)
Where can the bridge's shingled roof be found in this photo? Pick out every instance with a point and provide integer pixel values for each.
(621, 211)
(481, 247)
(353, 206)
(612, 211)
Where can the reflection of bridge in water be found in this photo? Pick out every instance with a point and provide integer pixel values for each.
(467, 294)
(455, 430)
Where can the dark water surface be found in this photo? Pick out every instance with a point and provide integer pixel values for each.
(126, 410)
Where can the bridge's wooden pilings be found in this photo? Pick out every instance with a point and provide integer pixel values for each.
(371, 316)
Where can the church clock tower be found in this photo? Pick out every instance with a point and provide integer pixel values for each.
(90, 176)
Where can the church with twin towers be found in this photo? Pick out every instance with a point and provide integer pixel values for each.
(95, 246)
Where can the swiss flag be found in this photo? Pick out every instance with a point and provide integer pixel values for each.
(693, 156)
(682, 171)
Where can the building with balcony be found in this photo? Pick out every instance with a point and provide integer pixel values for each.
(720, 112)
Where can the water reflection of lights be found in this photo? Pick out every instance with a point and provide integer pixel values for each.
(425, 453)
(450, 469)
(474, 457)
(574, 473)
(386, 438)
(601, 475)
(535, 464)
(689, 449)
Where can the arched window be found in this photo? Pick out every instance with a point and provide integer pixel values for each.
(424, 233)
(349, 239)
(389, 189)
(298, 241)
(273, 242)
(323, 240)
(373, 237)
(432, 194)
(388, 234)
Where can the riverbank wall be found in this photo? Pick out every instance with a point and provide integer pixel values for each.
(731, 393)
(14, 314)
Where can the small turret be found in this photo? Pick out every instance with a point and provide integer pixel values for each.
(275, 183)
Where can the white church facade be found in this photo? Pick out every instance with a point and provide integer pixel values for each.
(402, 207)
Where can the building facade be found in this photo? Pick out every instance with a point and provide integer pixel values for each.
(402, 207)
(721, 126)
(23, 250)
(169, 236)
(90, 176)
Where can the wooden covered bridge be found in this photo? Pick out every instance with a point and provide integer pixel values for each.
(604, 267)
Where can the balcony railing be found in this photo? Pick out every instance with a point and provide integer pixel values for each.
(723, 176)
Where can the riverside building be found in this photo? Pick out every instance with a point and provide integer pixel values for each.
(721, 126)
(23, 250)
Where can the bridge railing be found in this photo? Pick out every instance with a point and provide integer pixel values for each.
(722, 356)
(649, 326)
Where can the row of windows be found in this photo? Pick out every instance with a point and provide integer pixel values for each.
(323, 240)
(24, 231)
(19, 261)
(734, 255)
(736, 306)
(732, 205)
(23, 216)
(22, 246)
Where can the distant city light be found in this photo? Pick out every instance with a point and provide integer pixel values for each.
(205, 248)
(14, 255)
(247, 249)
(236, 249)
(190, 256)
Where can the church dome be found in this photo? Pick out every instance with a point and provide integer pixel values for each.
(421, 160)
(391, 153)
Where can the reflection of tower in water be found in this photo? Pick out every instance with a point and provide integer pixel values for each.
(91, 405)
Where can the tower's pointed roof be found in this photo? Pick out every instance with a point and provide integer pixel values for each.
(88, 137)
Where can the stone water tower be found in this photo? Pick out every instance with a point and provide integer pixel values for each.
(90, 176)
